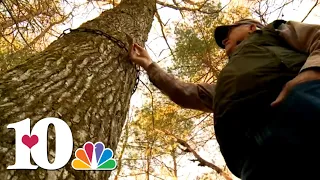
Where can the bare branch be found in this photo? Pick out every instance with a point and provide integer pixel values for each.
(202, 162)
(310, 11)
(163, 34)
(182, 8)
(16, 23)
(43, 33)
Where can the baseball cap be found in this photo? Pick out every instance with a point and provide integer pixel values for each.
(221, 32)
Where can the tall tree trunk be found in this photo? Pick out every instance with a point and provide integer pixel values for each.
(175, 166)
(148, 154)
(82, 78)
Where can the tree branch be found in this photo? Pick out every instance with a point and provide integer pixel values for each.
(14, 20)
(180, 8)
(202, 162)
(310, 10)
(163, 34)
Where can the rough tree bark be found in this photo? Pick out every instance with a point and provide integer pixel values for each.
(82, 78)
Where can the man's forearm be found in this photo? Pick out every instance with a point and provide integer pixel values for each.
(187, 95)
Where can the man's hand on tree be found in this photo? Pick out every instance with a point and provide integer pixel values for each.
(140, 56)
(307, 75)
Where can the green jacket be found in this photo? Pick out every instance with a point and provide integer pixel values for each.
(252, 79)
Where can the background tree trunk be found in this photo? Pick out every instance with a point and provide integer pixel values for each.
(175, 164)
(123, 148)
(82, 78)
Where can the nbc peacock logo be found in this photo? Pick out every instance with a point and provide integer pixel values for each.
(94, 157)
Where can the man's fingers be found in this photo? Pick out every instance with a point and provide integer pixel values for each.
(281, 96)
(138, 47)
(132, 51)
(279, 99)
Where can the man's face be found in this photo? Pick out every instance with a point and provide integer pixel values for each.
(236, 35)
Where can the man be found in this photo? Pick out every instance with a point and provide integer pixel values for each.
(266, 102)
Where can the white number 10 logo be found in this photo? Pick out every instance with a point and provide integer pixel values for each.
(35, 143)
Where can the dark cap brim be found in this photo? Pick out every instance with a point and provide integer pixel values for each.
(221, 33)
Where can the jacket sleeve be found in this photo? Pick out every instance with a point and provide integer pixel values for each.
(305, 38)
(186, 95)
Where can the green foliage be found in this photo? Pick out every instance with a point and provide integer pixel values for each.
(28, 26)
(147, 140)
(210, 176)
(197, 55)
(164, 116)
(9, 59)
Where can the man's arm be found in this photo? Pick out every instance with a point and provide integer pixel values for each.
(186, 95)
(303, 37)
